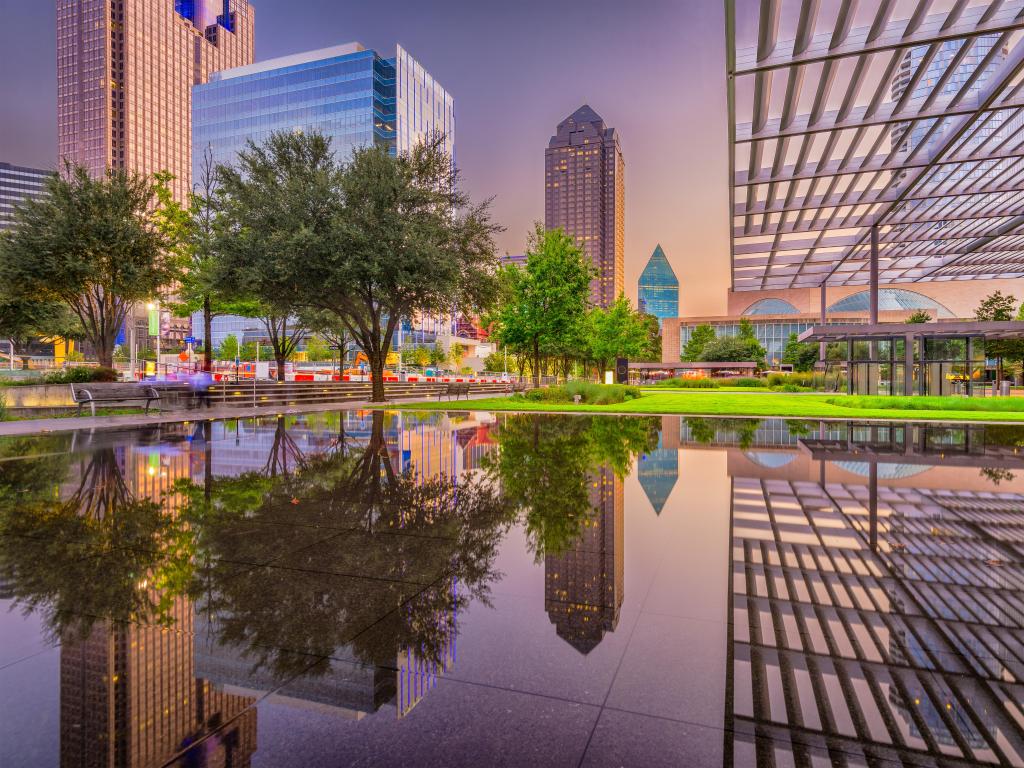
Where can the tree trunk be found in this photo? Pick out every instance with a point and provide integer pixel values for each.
(536, 362)
(376, 374)
(279, 359)
(207, 335)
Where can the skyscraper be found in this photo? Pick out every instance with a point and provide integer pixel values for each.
(584, 194)
(125, 71)
(658, 288)
(351, 94)
(584, 585)
(16, 185)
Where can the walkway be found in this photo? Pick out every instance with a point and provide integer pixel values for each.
(66, 424)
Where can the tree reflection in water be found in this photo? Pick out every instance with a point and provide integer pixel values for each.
(89, 551)
(388, 524)
(545, 463)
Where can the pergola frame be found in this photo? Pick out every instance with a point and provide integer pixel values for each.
(867, 168)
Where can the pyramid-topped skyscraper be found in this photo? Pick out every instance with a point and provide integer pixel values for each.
(658, 288)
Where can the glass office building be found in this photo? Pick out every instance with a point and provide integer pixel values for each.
(658, 288)
(18, 184)
(351, 94)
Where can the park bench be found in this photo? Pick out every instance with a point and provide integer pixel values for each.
(92, 394)
(455, 389)
(514, 387)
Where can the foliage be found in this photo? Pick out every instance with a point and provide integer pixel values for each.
(495, 361)
(381, 239)
(543, 304)
(801, 355)
(799, 379)
(229, 348)
(419, 356)
(683, 383)
(25, 318)
(594, 394)
(1000, 307)
(96, 245)
(699, 338)
(3, 407)
(617, 331)
(547, 466)
(82, 375)
(733, 349)
(456, 353)
(918, 316)
(747, 381)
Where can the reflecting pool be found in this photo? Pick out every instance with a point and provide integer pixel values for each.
(378, 589)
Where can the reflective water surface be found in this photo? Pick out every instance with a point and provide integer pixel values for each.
(376, 589)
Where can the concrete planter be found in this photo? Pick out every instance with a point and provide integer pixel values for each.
(38, 396)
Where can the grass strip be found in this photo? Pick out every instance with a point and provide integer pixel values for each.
(703, 403)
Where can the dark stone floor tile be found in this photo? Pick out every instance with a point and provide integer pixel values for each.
(30, 711)
(625, 740)
(515, 644)
(674, 668)
(448, 724)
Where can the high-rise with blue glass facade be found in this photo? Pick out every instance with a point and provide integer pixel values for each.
(658, 288)
(353, 95)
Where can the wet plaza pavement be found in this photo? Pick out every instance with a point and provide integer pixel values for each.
(377, 589)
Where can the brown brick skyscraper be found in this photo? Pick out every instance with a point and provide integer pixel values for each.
(125, 71)
(585, 194)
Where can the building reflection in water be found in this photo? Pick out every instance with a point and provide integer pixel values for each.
(879, 622)
(658, 470)
(584, 585)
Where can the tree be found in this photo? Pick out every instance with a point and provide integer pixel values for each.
(544, 303)
(617, 331)
(95, 245)
(699, 338)
(801, 355)
(437, 355)
(456, 353)
(652, 353)
(23, 319)
(733, 349)
(381, 239)
(918, 316)
(1000, 307)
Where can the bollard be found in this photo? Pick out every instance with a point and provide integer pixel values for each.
(1004, 388)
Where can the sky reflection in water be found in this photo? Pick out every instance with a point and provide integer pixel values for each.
(401, 589)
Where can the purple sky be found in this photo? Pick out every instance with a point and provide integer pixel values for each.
(654, 69)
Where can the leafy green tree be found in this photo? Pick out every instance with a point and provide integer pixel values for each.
(97, 245)
(801, 355)
(1000, 307)
(733, 349)
(317, 350)
(456, 353)
(543, 304)
(381, 239)
(699, 338)
(652, 353)
(230, 347)
(327, 326)
(437, 355)
(918, 316)
(617, 331)
(23, 319)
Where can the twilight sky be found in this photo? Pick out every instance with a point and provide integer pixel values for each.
(654, 69)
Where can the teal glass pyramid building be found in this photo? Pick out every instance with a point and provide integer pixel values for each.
(658, 288)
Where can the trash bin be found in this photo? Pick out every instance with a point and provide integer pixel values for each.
(1004, 388)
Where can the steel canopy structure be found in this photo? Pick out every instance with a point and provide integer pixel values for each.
(876, 142)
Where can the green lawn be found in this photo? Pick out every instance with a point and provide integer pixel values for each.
(717, 403)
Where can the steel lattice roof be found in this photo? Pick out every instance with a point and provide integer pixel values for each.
(847, 115)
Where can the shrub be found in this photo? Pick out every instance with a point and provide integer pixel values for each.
(747, 382)
(796, 379)
(591, 394)
(82, 375)
(688, 384)
(3, 407)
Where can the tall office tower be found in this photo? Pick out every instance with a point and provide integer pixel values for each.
(16, 185)
(125, 71)
(583, 586)
(349, 93)
(585, 194)
(658, 288)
